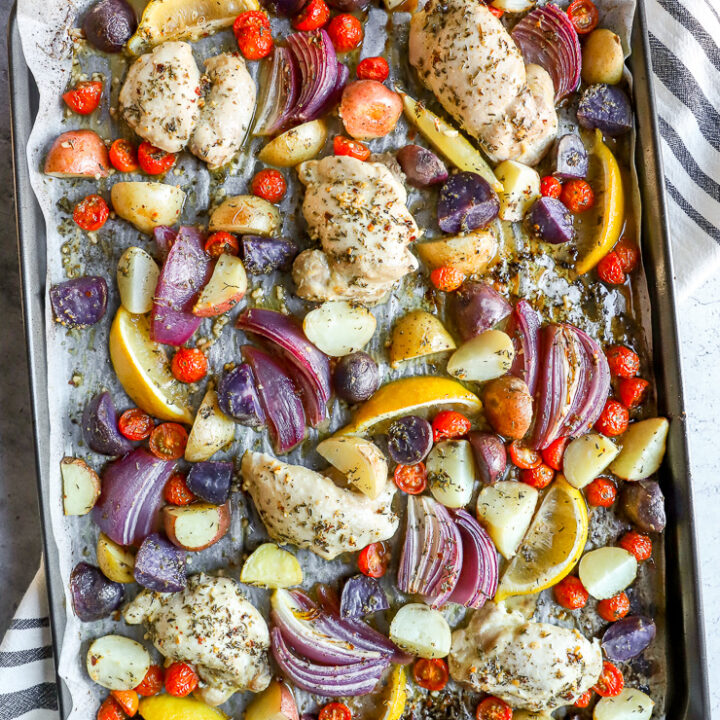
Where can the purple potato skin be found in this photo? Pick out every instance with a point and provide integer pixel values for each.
(263, 255)
(100, 429)
(362, 595)
(627, 638)
(476, 307)
(238, 396)
(355, 377)
(421, 166)
(644, 504)
(467, 202)
(109, 24)
(550, 221)
(81, 302)
(94, 596)
(607, 108)
(159, 565)
(490, 455)
(571, 158)
(210, 481)
(410, 439)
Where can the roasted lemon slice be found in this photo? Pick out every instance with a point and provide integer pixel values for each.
(185, 20)
(553, 544)
(143, 370)
(397, 695)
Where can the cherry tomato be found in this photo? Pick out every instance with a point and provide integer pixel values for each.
(552, 455)
(497, 12)
(176, 491)
(611, 681)
(110, 710)
(584, 16)
(601, 492)
(253, 34)
(128, 700)
(637, 544)
(335, 711)
(123, 156)
(154, 161)
(613, 420)
(313, 16)
(189, 365)
(135, 424)
(411, 479)
(447, 278)
(614, 608)
(346, 32)
(431, 674)
(374, 559)
(84, 97)
(610, 269)
(269, 184)
(493, 708)
(584, 700)
(152, 682)
(354, 148)
(623, 361)
(577, 196)
(180, 679)
(628, 253)
(220, 243)
(538, 477)
(373, 68)
(168, 441)
(523, 456)
(632, 391)
(91, 213)
(550, 187)
(448, 424)
(570, 593)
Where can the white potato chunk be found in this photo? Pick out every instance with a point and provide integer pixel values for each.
(245, 215)
(339, 328)
(470, 253)
(81, 486)
(211, 430)
(362, 462)
(451, 472)
(196, 526)
(147, 204)
(117, 662)
(484, 357)
(630, 704)
(416, 334)
(271, 567)
(297, 145)
(607, 571)
(116, 562)
(521, 185)
(586, 457)
(421, 631)
(505, 510)
(137, 277)
(643, 449)
(224, 290)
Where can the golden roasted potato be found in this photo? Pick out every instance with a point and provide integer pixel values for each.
(469, 253)
(483, 357)
(76, 154)
(271, 567)
(147, 204)
(296, 145)
(211, 431)
(245, 215)
(603, 59)
(116, 562)
(416, 334)
(361, 461)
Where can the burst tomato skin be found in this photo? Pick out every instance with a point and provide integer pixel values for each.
(538, 477)
(632, 391)
(374, 559)
(523, 456)
(335, 711)
(493, 708)
(222, 243)
(176, 491)
(189, 365)
(613, 420)
(431, 674)
(84, 98)
(448, 425)
(168, 441)
(447, 278)
(253, 34)
(637, 544)
(110, 710)
(154, 161)
(135, 424)
(570, 593)
(269, 184)
(91, 213)
(601, 492)
(628, 254)
(346, 32)
(577, 196)
(584, 16)
(610, 269)
(353, 148)
(550, 187)
(123, 156)
(584, 700)
(313, 16)
(611, 681)
(552, 455)
(373, 68)
(180, 679)
(614, 608)
(128, 700)
(152, 683)
(411, 479)
(623, 362)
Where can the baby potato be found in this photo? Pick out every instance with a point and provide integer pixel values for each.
(359, 460)
(521, 188)
(451, 472)
(245, 215)
(416, 334)
(271, 567)
(339, 328)
(419, 630)
(116, 562)
(78, 154)
(117, 662)
(137, 277)
(630, 704)
(147, 204)
(586, 457)
(508, 406)
(643, 449)
(484, 357)
(369, 109)
(607, 571)
(297, 145)
(603, 58)
(470, 254)
(211, 431)
(168, 707)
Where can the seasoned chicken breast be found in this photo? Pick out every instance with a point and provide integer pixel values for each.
(356, 210)
(464, 55)
(535, 666)
(160, 96)
(211, 626)
(303, 507)
(227, 111)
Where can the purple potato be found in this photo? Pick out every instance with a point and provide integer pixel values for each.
(94, 596)
(262, 255)
(477, 307)
(160, 566)
(81, 302)
(410, 439)
(362, 595)
(356, 377)
(490, 455)
(238, 396)
(109, 24)
(607, 108)
(644, 504)
(284, 8)
(571, 157)
(210, 481)
(550, 221)
(421, 166)
(100, 428)
(467, 202)
(627, 638)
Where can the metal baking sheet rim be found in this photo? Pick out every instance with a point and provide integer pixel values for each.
(687, 696)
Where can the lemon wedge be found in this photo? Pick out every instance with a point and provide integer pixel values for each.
(164, 20)
(142, 368)
(397, 695)
(553, 544)
(416, 395)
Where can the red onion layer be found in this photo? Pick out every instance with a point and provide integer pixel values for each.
(524, 329)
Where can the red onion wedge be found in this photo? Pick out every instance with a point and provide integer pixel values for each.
(547, 38)
(164, 238)
(524, 329)
(279, 91)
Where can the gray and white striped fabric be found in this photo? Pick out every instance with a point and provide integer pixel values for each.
(684, 36)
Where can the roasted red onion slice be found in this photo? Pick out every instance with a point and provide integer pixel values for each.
(279, 92)
(524, 329)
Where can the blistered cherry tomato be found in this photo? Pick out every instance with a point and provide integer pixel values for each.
(601, 492)
(335, 711)
(189, 365)
(637, 544)
(493, 708)
(168, 441)
(614, 608)
(577, 196)
(313, 16)
(152, 682)
(411, 479)
(221, 243)
(84, 98)
(447, 278)
(123, 156)
(611, 681)
(180, 679)
(613, 420)
(110, 710)
(91, 213)
(550, 187)
(552, 455)
(523, 456)
(610, 269)
(448, 425)
(628, 253)
(134, 424)
(346, 32)
(538, 477)
(570, 593)
(584, 700)
(632, 391)
(354, 148)
(374, 559)
(373, 68)
(584, 16)
(431, 674)
(154, 161)
(253, 34)
(497, 12)
(176, 491)
(269, 184)
(128, 700)
(623, 361)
